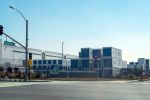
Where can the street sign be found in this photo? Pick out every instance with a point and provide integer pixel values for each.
(9, 43)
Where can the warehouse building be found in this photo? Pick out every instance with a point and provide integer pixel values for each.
(107, 61)
(14, 56)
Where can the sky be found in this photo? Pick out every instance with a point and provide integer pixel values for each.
(123, 24)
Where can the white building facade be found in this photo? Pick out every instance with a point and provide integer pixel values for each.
(13, 56)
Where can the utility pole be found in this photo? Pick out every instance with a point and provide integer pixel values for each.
(102, 65)
(26, 48)
(62, 54)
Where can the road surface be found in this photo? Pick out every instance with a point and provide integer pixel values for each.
(75, 90)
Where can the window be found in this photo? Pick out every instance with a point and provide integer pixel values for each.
(85, 63)
(54, 61)
(49, 61)
(44, 61)
(39, 61)
(85, 53)
(74, 63)
(59, 61)
(107, 62)
(34, 62)
(107, 52)
(96, 53)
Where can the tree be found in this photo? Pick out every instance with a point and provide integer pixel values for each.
(9, 70)
(1, 69)
(16, 70)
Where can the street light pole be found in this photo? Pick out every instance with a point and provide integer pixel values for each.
(102, 65)
(26, 47)
(26, 71)
(62, 54)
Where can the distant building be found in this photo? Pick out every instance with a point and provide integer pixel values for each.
(112, 60)
(124, 64)
(108, 61)
(132, 65)
(142, 64)
(86, 58)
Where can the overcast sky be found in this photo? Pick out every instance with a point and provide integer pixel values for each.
(123, 24)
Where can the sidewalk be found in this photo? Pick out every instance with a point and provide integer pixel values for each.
(21, 80)
(10, 84)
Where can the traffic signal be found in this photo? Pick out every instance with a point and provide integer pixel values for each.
(1, 30)
(30, 56)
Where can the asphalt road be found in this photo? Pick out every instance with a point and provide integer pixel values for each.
(78, 91)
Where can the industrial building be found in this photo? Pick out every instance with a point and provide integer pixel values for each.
(104, 62)
(14, 56)
(142, 64)
(107, 61)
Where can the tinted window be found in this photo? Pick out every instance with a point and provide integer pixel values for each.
(49, 61)
(107, 63)
(96, 53)
(85, 63)
(59, 61)
(74, 63)
(85, 53)
(39, 61)
(44, 61)
(54, 61)
(106, 51)
(35, 62)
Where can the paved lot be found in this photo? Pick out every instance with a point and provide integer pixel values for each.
(112, 90)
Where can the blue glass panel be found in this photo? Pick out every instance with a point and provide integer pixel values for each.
(49, 61)
(108, 63)
(44, 61)
(39, 61)
(34, 62)
(74, 63)
(59, 61)
(54, 61)
(85, 63)
(107, 52)
(85, 53)
(97, 53)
